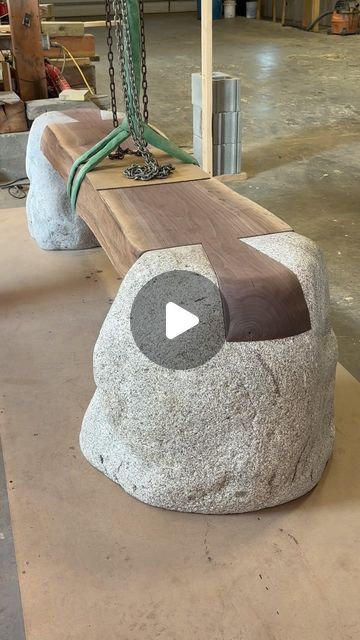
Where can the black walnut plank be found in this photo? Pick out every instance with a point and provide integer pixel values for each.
(262, 299)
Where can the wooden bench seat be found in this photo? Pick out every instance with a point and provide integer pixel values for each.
(262, 299)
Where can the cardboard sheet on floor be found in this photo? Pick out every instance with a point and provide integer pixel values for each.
(110, 173)
(94, 563)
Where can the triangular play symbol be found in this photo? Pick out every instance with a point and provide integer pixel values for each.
(178, 320)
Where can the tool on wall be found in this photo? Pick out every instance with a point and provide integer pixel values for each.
(130, 42)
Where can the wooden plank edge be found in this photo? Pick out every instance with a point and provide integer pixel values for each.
(232, 177)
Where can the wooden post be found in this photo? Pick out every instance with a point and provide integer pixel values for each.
(315, 12)
(207, 90)
(311, 10)
(6, 73)
(26, 44)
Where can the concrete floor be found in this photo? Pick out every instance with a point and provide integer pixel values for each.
(301, 137)
(301, 133)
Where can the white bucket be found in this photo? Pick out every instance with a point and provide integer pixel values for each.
(251, 8)
(230, 8)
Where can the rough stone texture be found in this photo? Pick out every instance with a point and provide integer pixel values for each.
(52, 222)
(12, 155)
(35, 108)
(251, 428)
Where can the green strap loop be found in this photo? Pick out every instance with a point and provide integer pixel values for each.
(95, 159)
(92, 158)
(83, 159)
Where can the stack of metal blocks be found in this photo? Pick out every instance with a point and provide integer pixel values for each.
(226, 122)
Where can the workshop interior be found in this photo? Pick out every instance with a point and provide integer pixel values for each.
(180, 320)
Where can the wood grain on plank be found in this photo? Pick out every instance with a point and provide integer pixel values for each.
(262, 299)
(79, 46)
(55, 29)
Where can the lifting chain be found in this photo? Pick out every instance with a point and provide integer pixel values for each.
(120, 153)
(144, 83)
(109, 40)
(151, 168)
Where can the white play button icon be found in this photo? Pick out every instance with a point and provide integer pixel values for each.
(178, 320)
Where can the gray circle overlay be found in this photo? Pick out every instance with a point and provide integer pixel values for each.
(194, 293)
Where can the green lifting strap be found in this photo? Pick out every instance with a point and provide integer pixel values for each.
(91, 158)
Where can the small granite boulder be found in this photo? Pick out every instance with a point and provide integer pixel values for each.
(52, 222)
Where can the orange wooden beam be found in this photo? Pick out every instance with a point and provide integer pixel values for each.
(27, 50)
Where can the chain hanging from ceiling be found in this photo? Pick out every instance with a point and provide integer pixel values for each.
(120, 152)
(144, 83)
(109, 41)
(118, 10)
(130, 40)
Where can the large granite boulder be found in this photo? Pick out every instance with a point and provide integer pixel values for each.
(251, 428)
(52, 222)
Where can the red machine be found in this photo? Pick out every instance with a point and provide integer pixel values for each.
(55, 80)
(3, 10)
(345, 18)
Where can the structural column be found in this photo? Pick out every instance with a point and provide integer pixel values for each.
(206, 72)
(28, 53)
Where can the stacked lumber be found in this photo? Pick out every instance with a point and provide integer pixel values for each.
(47, 12)
(55, 29)
(64, 43)
(79, 46)
(12, 113)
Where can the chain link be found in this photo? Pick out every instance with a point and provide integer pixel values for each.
(151, 168)
(144, 82)
(119, 154)
(109, 40)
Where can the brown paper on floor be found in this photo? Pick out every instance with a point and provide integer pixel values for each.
(96, 564)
